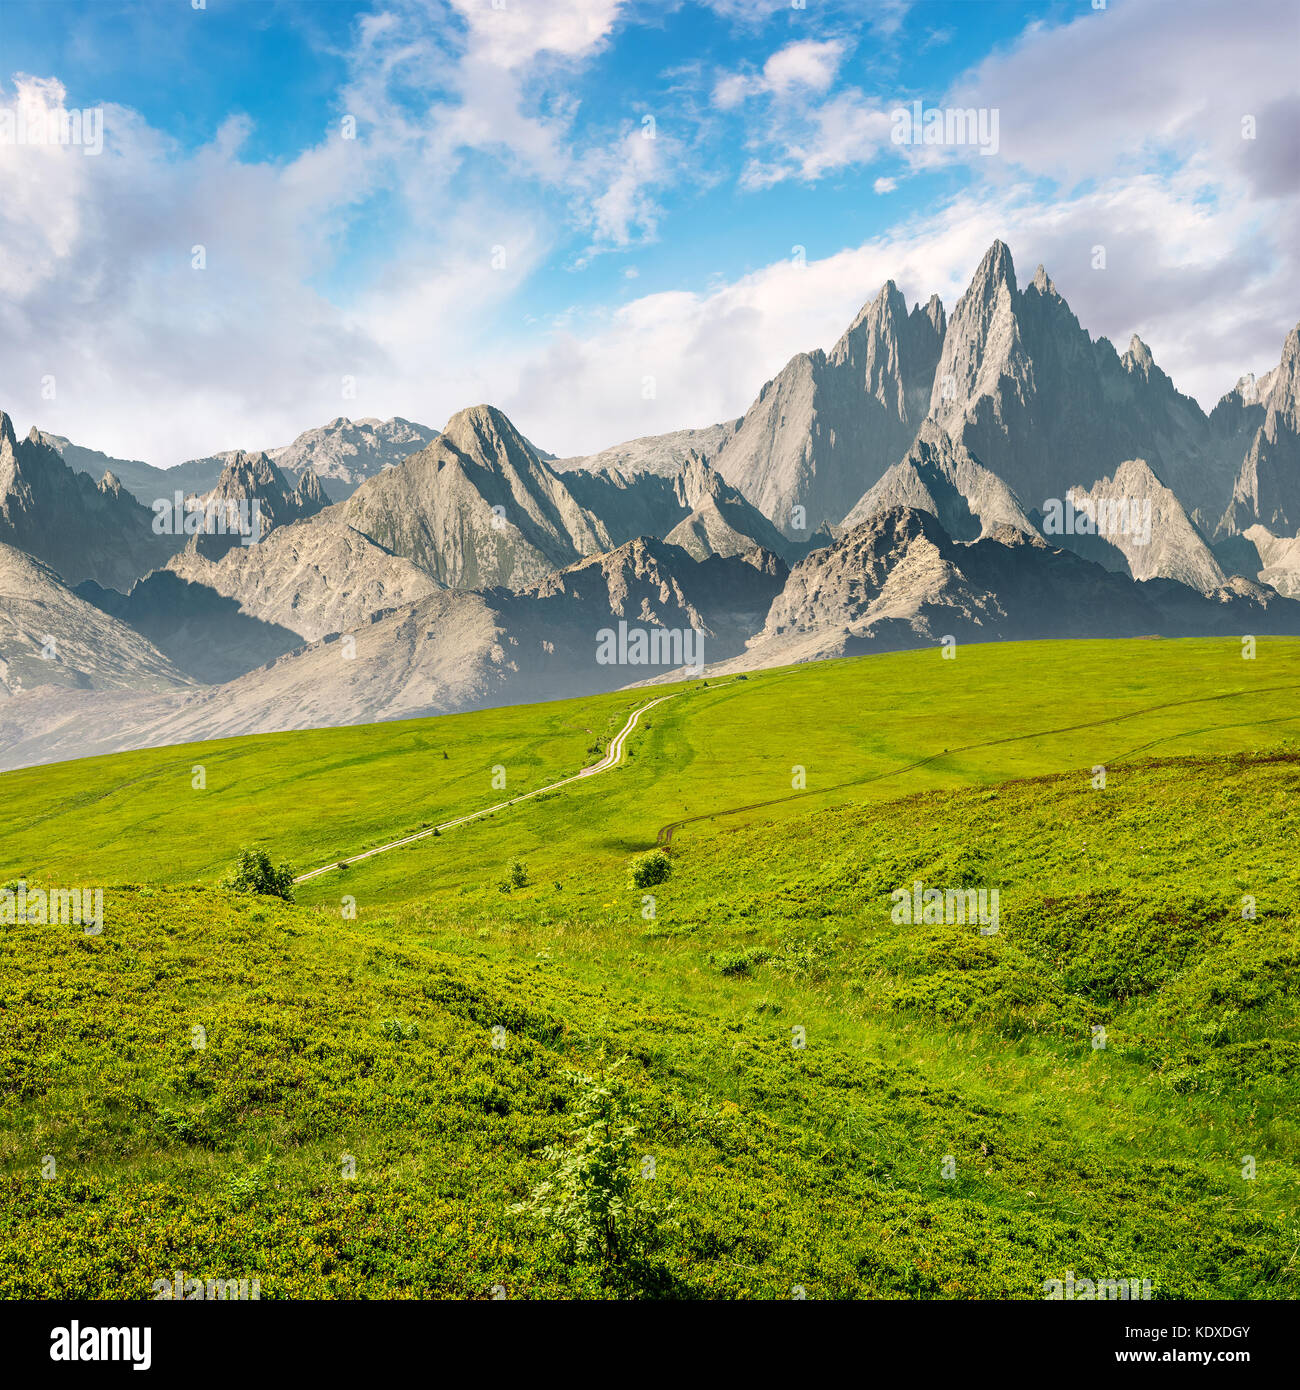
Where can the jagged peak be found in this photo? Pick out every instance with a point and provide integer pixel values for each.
(1139, 352)
(1139, 360)
(934, 312)
(887, 303)
(997, 268)
(7, 435)
(1043, 283)
(309, 487)
(479, 430)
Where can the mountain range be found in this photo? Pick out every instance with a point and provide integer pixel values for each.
(987, 473)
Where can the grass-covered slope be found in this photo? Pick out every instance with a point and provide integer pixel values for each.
(930, 1050)
(786, 741)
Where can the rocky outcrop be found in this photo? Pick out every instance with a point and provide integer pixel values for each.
(899, 580)
(80, 528)
(943, 477)
(1132, 523)
(827, 427)
(477, 508)
(52, 639)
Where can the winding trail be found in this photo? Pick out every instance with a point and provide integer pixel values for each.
(612, 758)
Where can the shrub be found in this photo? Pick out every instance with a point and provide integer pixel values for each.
(739, 962)
(649, 869)
(518, 872)
(395, 1030)
(596, 1202)
(254, 873)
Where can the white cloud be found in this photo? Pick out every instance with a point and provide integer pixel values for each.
(1115, 87)
(795, 70)
(514, 35)
(845, 130)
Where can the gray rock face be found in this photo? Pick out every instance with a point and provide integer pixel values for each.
(827, 427)
(81, 529)
(477, 508)
(1277, 560)
(1265, 416)
(720, 521)
(52, 639)
(310, 578)
(687, 503)
(344, 453)
(1141, 530)
(1046, 408)
(942, 477)
(246, 480)
(898, 580)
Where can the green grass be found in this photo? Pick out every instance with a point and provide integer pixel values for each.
(858, 728)
(929, 1048)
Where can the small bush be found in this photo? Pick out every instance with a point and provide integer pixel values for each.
(518, 872)
(397, 1031)
(649, 869)
(596, 1203)
(739, 963)
(254, 873)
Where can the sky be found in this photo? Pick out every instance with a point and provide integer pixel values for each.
(609, 218)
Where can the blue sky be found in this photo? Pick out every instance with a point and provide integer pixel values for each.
(500, 227)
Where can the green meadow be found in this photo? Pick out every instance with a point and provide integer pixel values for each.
(865, 729)
(352, 1095)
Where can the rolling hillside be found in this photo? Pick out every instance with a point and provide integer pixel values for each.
(969, 1115)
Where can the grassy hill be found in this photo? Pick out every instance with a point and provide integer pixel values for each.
(868, 729)
(969, 1114)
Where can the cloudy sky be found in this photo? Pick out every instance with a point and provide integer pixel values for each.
(608, 217)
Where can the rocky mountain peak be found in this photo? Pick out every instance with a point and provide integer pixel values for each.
(995, 271)
(1138, 358)
(310, 490)
(483, 434)
(881, 318)
(934, 314)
